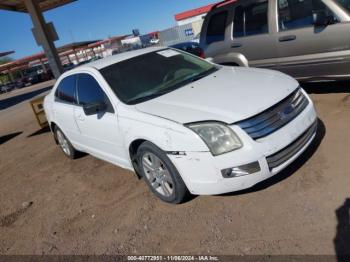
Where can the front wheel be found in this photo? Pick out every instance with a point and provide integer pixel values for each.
(160, 174)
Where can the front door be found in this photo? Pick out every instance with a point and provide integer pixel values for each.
(251, 32)
(99, 132)
(306, 49)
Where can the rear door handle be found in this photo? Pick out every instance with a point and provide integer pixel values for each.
(287, 38)
(236, 45)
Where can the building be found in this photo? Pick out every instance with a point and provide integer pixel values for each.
(188, 26)
(193, 15)
(70, 53)
(106, 47)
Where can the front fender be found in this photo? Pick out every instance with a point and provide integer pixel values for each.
(164, 133)
(231, 58)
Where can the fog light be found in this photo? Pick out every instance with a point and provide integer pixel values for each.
(241, 170)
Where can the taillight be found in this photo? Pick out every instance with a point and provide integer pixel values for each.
(202, 55)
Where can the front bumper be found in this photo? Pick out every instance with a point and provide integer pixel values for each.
(201, 171)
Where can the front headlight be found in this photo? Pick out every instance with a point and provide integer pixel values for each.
(219, 138)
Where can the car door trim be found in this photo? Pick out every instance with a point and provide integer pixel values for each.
(318, 58)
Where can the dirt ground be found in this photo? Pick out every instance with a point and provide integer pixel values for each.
(52, 205)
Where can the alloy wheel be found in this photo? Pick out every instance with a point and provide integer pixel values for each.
(157, 174)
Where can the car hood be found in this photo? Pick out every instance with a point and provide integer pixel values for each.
(230, 94)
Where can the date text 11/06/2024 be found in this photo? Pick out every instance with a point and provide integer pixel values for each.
(173, 258)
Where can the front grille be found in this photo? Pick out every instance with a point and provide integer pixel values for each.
(275, 117)
(286, 153)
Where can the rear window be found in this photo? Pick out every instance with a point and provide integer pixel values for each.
(216, 27)
(65, 91)
(251, 19)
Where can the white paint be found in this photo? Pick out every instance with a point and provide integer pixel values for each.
(229, 95)
(168, 53)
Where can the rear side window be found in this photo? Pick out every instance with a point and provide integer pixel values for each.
(65, 91)
(251, 19)
(294, 14)
(216, 27)
(89, 91)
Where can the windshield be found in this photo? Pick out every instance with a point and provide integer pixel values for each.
(153, 74)
(345, 4)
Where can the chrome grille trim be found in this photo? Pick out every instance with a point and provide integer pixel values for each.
(275, 117)
(286, 153)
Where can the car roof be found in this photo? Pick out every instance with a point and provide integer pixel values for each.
(102, 63)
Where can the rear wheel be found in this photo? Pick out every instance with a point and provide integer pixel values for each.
(160, 174)
(64, 144)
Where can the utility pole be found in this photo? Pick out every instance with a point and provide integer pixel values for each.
(44, 35)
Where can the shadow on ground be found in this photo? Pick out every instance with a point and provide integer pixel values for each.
(292, 168)
(46, 130)
(40, 132)
(327, 87)
(6, 138)
(342, 238)
(12, 101)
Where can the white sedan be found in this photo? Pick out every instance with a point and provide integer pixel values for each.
(183, 124)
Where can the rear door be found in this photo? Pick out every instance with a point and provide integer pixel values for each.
(217, 28)
(306, 50)
(65, 101)
(251, 32)
(100, 132)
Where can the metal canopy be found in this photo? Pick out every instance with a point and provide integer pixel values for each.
(76, 45)
(44, 33)
(6, 53)
(19, 6)
(65, 50)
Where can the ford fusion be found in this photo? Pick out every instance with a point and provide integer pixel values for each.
(185, 125)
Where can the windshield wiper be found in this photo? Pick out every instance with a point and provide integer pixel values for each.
(202, 75)
(148, 97)
(142, 99)
(196, 78)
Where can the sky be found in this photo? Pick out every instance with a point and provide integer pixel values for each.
(92, 19)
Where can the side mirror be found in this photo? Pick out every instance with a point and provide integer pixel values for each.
(320, 18)
(94, 108)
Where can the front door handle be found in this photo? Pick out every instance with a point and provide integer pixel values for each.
(287, 38)
(236, 45)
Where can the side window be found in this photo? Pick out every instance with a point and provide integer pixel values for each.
(251, 19)
(89, 91)
(294, 14)
(216, 27)
(65, 91)
(345, 4)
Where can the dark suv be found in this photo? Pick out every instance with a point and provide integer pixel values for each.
(308, 39)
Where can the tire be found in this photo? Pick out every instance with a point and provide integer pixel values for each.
(160, 174)
(65, 144)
